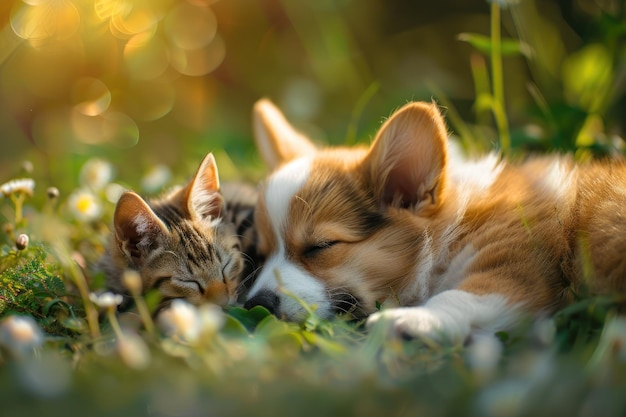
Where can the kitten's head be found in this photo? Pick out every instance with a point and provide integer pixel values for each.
(179, 245)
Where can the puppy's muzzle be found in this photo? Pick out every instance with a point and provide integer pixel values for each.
(264, 298)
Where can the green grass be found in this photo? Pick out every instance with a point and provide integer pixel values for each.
(242, 362)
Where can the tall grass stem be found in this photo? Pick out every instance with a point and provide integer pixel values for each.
(497, 78)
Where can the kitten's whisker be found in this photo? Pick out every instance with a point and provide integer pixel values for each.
(248, 277)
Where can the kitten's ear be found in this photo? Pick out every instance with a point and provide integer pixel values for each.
(277, 141)
(201, 197)
(136, 226)
(407, 160)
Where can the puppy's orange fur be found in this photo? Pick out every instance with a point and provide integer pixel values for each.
(404, 219)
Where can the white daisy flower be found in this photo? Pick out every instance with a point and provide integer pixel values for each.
(484, 353)
(113, 192)
(96, 174)
(190, 324)
(106, 299)
(211, 318)
(18, 186)
(156, 178)
(20, 335)
(180, 320)
(133, 351)
(85, 205)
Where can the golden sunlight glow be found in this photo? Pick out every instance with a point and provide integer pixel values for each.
(196, 62)
(105, 66)
(92, 96)
(146, 58)
(190, 27)
(37, 21)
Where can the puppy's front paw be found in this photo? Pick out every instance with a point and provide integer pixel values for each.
(420, 322)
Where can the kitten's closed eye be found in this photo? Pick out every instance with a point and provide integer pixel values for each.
(192, 284)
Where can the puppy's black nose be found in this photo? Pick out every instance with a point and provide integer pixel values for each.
(263, 298)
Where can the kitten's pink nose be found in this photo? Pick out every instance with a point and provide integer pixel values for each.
(217, 293)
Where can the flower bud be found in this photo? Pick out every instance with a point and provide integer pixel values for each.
(52, 193)
(132, 281)
(22, 241)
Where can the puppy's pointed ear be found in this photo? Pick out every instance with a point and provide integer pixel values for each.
(277, 141)
(136, 226)
(201, 198)
(406, 162)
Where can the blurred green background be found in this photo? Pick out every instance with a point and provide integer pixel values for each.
(146, 82)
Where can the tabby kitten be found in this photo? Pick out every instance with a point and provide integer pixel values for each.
(186, 245)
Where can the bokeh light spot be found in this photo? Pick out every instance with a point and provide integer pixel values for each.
(105, 8)
(191, 27)
(151, 100)
(121, 130)
(91, 96)
(110, 128)
(129, 19)
(196, 62)
(41, 20)
(146, 60)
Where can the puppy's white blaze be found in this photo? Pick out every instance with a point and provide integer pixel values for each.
(281, 187)
(452, 315)
(277, 272)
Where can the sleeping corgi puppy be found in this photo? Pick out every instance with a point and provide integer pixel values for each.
(461, 246)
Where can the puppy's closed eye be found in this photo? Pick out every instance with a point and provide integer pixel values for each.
(313, 250)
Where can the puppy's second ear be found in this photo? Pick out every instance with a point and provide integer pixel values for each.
(406, 162)
(277, 141)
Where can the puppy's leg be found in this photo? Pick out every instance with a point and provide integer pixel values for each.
(450, 316)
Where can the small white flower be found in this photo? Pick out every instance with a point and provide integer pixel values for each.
(106, 299)
(190, 324)
(133, 351)
(484, 353)
(84, 205)
(96, 174)
(156, 178)
(181, 320)
(211, 318)
(18, 186)
(113, 192)
(20, 334)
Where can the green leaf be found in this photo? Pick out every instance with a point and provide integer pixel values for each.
(508, 47)
(249, 318)
(75, 324)
(270, 326)
(233, 327)
(325, 345)
(152, 299)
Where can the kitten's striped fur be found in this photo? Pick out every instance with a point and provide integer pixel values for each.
(191, 244)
